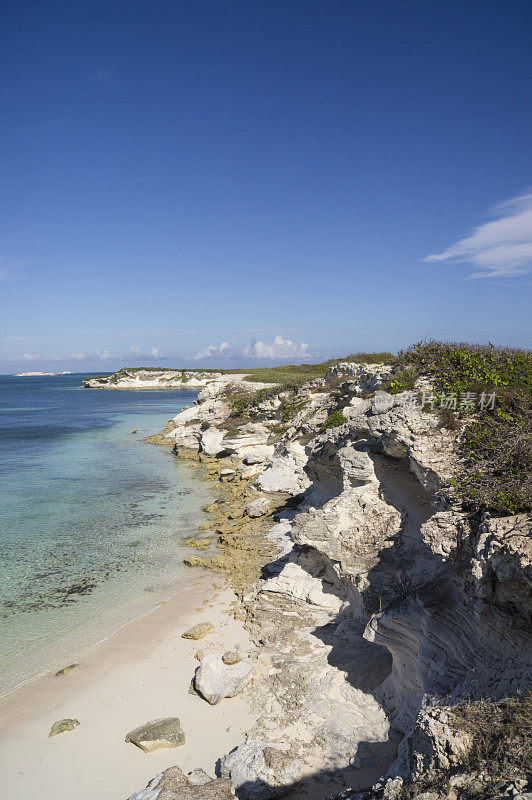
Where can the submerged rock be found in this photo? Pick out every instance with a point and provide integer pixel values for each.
(63, 725)
(65, 670)
(157, 734)
(215, 679)
(199, 631)
(258, 507)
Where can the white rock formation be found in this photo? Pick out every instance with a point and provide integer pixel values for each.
(214, 679)
(259, 771)
(285, 471)
(386, 599)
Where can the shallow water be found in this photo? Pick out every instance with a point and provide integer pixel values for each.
(92, 519)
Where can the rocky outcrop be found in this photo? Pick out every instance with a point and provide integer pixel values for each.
(259, 771)
(173, 784)
(386, 604)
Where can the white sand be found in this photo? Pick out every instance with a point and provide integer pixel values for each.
(141, 673)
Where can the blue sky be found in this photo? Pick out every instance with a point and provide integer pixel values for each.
(218, 182)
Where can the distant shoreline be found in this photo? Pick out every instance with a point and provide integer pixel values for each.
(39, 374)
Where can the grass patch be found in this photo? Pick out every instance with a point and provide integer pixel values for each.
(289, 375)
(370, 358)
(501, 751)
(501, 733)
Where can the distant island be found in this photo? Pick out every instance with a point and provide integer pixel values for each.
(35, 374)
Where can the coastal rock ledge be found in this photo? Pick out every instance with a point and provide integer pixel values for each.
(390, 622)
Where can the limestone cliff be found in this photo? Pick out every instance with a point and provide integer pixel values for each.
(387, 601)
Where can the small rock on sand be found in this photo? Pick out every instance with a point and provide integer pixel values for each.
(65, 670)
(63, 725)
(157, 734)
(199, 631)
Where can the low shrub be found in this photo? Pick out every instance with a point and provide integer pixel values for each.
(496, 445)
(337, 418)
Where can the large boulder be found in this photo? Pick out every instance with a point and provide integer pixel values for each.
(259, 771)
(215, 679)
(157, 734)
(172, 784)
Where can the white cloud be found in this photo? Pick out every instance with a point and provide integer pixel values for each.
(213, 351)
(135, 349)
(499, 248)
(279, 348)
(155, 352)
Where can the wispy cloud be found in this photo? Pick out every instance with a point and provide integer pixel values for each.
(501, 248)
(98, 356)
(279, 348)
(8, 268)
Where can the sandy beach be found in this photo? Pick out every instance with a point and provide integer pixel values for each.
(141, 673)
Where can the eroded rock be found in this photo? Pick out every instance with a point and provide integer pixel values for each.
(173, 784)
(260, 771)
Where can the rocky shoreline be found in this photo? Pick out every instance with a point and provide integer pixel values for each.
(373, 601)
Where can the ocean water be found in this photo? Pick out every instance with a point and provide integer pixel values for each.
(92, 519)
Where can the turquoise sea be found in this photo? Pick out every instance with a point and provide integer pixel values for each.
(92, 519)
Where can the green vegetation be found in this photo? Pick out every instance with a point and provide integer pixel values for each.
(497, 442)
(241, 403)
(369, 358)
(461, 367)
(337, 418)
(498, 452)
(289, 375)
(501, 734)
